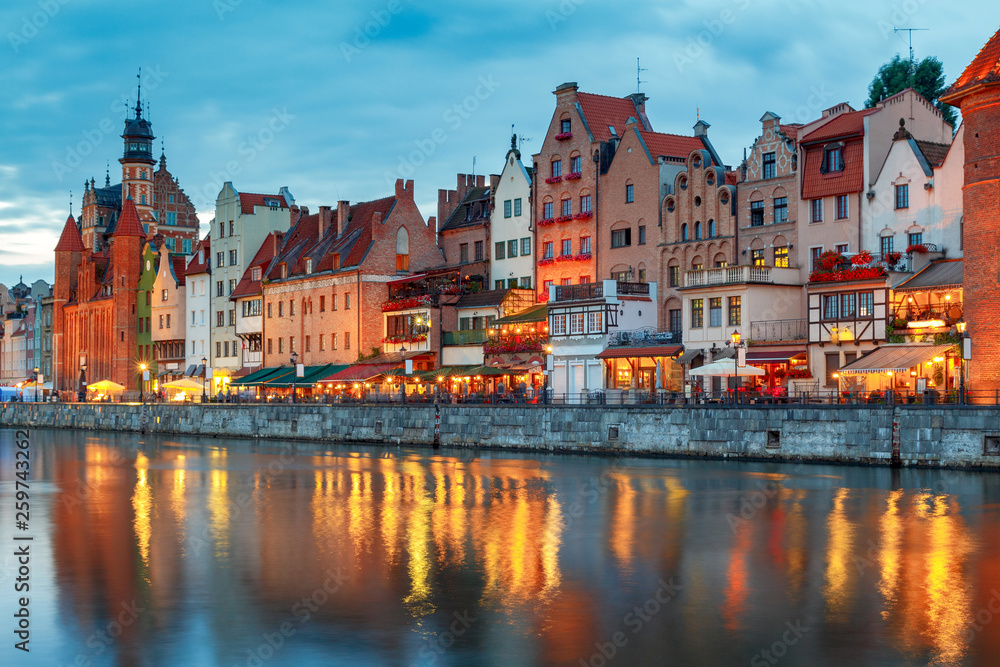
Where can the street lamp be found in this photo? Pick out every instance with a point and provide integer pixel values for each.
(736, 344)
(204, 378)
(142, 382)
(966, 354)
(295, 366)
(36, 384)
(83, 381)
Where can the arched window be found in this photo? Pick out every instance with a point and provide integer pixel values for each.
(711, 229)
(402, 250)
(684, 232)
(697, 230)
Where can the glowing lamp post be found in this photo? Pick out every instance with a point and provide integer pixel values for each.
(737, 345)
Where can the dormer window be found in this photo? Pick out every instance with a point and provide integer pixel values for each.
(309, 265)
(336, 261)
(833, 159)
(612, 130)
(255, 273)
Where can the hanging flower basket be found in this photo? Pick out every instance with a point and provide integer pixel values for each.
(574, 176)
(563, 136)
(583, 215)
(554, 179)
(863, 258)
(892, 258)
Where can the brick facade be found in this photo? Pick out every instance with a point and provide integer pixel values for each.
(464, 217)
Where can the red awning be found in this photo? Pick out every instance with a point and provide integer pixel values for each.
(359, 372)
(773, 356)
(648, 351)
(407, 279)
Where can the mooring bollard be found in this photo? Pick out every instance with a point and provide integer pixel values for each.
(437, 425)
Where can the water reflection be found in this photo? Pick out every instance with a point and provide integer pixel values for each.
(222, 543)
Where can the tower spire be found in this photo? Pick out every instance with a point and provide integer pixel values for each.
(138, 97)
(107, 174)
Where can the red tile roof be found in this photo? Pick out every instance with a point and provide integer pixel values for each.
(70, 240)
(732, 177)
(984, 68)
(177, 264)
(194, 266)
(817, 184)
(791, 130)
(265, 253)
(849, 124)
(600, 111)
(670, 145)
(934, 153)
(128, 223)
(248, 200)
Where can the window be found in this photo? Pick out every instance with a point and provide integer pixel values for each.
(463, 253)
(559, 325)
(517, 206)
(833, 160)
(674, 276)
(684, 232)
(232, 317)
(816, 205)
(594, 321)
(780, 209)
(347, 340)
(715, 312)
(566, 207)
(564, 125)
(584, 280)
(499, 251)
(291, 343)
(697, 313)
(576, 322)
(281, 309)
(565, 281)
(831, 306)
(498, 284)
(140, 325)
(757, 257)
(781, 256)
(902, 196)
(333, 341)
(222, 233)
(308, 344)
(566, 247)
(218, 348)
(193, 321)
(832, 366)
(866, 304)
(232, 285)
(711, 229)
(281, 346)
(230, 227)
(621, 238)
(841, 207)
(347, 301)
(697, 266)
(291, 307)
(187, 245)
(814, 254)
(642, 234)
(735, 311)
(585, 245)
(333, 302)
(585, 204)
(757, 214)
(220, 288)
(697, 230)
(512, 248)
(506, 208)
(309, 265)
(770, 170)
(525, 282)
(220, 258)
(547, 250)
(916, 239)
(525, 246)
(676, 322)
(232, 258)
(322, 342)
(171, 218)
(843, 248)
(556, 168)
(547, 210)
(629, 193)
(478, 249)
(848, 305)
(511, 283)
(220, 318)
(885, 245)
(251, 307)
(322, 303)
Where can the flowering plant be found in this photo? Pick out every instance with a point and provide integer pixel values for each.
(564, 258)
(545, 261)
(779, 373)
(451, 289)
(407, 302)
(518, 344)
(554, 179)
(573, 176)
(546, 221)
(583, 256)
(395, 340)
(863, 258)
(564, 218)
(859, 273)
(918, 248)
(799, 373)
(831, 260)
(562, 136)
(892, 257)
(584, 215)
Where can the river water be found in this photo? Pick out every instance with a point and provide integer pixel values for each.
(190, 551)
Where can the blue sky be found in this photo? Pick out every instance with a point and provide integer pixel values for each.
(335, 100)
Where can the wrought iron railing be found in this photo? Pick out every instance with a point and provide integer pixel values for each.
(579, 292)
(648, 336)
(779, 330)
(635, 289)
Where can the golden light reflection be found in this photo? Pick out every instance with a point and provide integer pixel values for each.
(218, 507)
(840, 566)
(622, 535)
(948, 590)
(142, 504)
(891, 529)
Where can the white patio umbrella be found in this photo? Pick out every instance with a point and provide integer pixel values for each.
(727, 368)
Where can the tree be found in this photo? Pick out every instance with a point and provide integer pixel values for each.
(894, 76)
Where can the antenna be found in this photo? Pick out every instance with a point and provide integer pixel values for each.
(71, 203)
(913, 67)
(638, 71)
(473, 166)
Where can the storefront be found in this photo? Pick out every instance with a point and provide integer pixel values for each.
(906, 370)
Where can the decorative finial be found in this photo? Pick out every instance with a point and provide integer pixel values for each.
(138, 98)
(107, 174)
(71, 201)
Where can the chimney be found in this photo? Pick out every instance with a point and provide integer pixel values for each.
(565, 89)
(343, 213)
(432, 223)
(276, 238)
(325, 218)
(480, 180)
(701, 129)
(376, 218)
(639, 99)
(494, 182)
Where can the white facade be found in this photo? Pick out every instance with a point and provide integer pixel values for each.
(580, 318)
(198, 306)
(933, 200)
(168, 306)
(510, 227)
(236, 237)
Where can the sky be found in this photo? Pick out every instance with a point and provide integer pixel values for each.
(336, 100)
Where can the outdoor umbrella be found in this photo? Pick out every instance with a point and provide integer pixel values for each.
(105, 387)
(183, 384)
(727, 368)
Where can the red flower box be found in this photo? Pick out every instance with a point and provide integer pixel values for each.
(563, 136)
(918, 248)
(564, 258)
(554, 179)
(582, 257)
(564, 218)
(408, 302)
(802, 373)
(574, 176)
(545, 261)
(892, 257)
(547, 221)
(860, 273)
(396, 340)
(584, 215)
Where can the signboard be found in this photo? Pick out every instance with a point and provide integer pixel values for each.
(967, 348)
(300, 370)
(408, 364)
(145, 375)
(41, 378)
(741, 357)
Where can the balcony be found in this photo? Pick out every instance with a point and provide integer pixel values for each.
(779, 330)
(513, 343)
(466, 337)
(596, 290)
(730, 275)
(647, 336)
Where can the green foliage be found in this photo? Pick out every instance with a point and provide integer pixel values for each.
(929, 81)
(375, 352)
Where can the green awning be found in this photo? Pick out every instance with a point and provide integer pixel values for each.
(257, 377)
(311, 375)
(539, 313)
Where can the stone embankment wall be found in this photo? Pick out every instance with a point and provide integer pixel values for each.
(934, 436)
